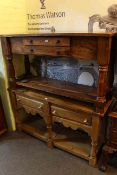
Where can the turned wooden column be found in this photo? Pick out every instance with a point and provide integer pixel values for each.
(102, 88)
(96, 125)
(49, 122)
(104, 59)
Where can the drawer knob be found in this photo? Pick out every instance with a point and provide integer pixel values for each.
(54, 112)
(31, 41)
(46, 41)
(58, 41)
(85, 121)
(31, 50)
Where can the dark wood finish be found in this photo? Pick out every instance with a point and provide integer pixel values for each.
(62, 88)
(74, 106)
(27, 66)
(43, 41)
(86, 48)
(111, 144)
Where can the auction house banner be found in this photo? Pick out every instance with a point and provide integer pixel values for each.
(71, 16)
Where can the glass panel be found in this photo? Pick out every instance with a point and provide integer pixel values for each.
(67, 69)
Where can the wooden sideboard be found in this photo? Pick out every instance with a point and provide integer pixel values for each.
(72, 115)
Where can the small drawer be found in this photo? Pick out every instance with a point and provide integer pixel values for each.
(79, 116)
(52, 51)
(46, 41)
(38, 105)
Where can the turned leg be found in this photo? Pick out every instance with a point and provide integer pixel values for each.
(50, 143)
(93, 156)
(18, 118)
(101, 89)
(18, 126)
(49, 123)
(103, 159)
(96, 123)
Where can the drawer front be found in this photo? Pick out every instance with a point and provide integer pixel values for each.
(52, 51)
(23, 101)
(19, 46)
(79, 116)
(47, 41)
(84, 48)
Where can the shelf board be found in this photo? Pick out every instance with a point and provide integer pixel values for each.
(36, 128)
(57, 87)
(74, 142)
(78, 150)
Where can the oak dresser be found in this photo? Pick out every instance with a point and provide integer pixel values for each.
(66, 115)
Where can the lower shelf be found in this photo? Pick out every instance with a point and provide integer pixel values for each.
(75, 142)
(36, 127)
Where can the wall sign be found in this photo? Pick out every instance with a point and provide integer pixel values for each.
(34, 16)
(44, 18)
(67, 16)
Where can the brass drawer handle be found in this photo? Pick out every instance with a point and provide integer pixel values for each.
(46, 99)
(54, 112)
(85, 121)
(46, 40)
(40, 107)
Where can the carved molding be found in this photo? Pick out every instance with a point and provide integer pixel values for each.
(109, 149)
(103, 68)
(73, 125)
(101, 99)
(33, 111)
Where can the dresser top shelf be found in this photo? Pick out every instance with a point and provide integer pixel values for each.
(99, 47)
(107, 34)
(62, 88)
